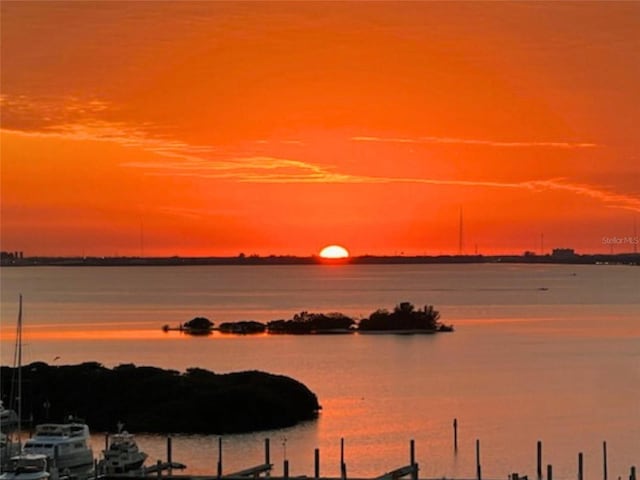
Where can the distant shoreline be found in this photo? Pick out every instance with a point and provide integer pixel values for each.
(254, 260)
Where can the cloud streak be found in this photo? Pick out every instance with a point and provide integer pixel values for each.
(264, 169)
(186, 160)
(467, 141)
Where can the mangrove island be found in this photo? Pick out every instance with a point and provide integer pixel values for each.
(154, 400)
(404, 318)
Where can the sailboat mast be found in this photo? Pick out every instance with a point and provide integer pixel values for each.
(19, 365)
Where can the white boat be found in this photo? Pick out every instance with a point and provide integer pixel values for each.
(27, 467)
(67, 445)
(122, 455)
(8, 419)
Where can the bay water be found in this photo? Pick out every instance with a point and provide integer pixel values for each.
(539, 352)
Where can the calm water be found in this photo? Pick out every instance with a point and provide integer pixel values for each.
(560, 365)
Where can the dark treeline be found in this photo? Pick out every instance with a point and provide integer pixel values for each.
(149, 399)
(17, 259)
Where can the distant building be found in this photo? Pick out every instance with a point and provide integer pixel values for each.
(10, 258)
(563, 253)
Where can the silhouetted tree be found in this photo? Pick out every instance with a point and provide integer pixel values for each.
(198, 325)
(403, 317)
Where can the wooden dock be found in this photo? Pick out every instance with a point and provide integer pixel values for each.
(165, 470)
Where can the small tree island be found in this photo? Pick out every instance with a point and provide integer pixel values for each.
(150, 399)
(195, 326)
(198, 326)
(405, 318)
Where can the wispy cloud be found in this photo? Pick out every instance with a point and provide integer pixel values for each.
(203, 161)
(254, 169)
(193, 213)
(281, 142)
(38, 112)
(117, 133)
(603, 195)
(467, 141)
(278, 170)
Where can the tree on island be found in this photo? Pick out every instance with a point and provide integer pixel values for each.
(242, 327)
(305, 322)
(404, 317)
(199, 325)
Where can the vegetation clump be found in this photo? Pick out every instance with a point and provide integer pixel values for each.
(198, 326)
(150, 399)
(305, 322)
(243, 327)
(404, 317)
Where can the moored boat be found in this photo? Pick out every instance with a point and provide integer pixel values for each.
(27, 467)
(67, 445)
(122, 455)
(9, 448)
(8, 419)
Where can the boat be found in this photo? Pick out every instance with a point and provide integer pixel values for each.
(67, 445)
(8, 419)
(122, 455)
(8, 449)
(27, 467)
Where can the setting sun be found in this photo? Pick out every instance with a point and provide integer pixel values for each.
(334, 251)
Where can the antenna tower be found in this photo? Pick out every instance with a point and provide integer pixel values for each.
(460, 235)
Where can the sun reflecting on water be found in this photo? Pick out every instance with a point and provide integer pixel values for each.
(88, 334)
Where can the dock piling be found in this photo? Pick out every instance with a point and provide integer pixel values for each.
(580, 467)
(455, 435)
(632, 475)
(478, 468)
(549, 472)
(343, 466)
(412, 460)
(219, 457)
(539, 469)
(267, 452)
(159, 465)
(316, 463)
(412, 452)
(605, 473)
(286, 469)
(169, 453)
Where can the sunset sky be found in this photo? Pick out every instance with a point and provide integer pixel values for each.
(207, 128)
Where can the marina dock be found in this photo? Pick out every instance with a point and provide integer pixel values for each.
(410, 471)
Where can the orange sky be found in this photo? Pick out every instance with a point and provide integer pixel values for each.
(205, 128)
